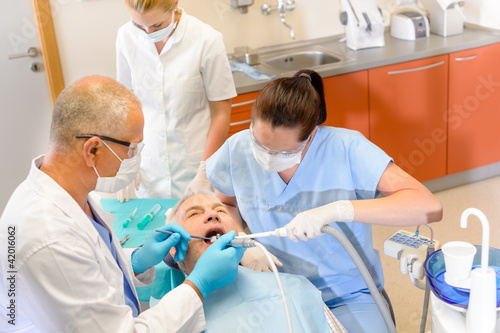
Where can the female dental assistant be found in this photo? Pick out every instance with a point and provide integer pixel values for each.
(286, 171)
(178, 67)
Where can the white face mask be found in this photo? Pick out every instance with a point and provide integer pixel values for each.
(159, 35)
(125, 175)
(277, 162)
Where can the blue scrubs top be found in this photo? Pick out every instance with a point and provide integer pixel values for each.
(340, 164)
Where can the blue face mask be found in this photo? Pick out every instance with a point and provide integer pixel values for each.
(159, 35)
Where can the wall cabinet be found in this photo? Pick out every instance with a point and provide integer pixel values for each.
(346, 98)
(408, 108)
(474, 108)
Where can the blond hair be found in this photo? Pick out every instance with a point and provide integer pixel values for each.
(142, 6)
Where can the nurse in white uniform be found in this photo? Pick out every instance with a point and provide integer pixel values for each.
(178, 67)
(286, 171)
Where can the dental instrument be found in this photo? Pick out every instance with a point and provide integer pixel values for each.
(126, 238)
(279, 232)
(212, 239)
(129, 218)
(148, 217)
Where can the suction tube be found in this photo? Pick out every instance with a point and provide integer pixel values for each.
(365, 274)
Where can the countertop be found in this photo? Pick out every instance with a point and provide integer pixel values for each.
(394, 51)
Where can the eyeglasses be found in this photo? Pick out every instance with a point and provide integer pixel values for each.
(269, 151)
(134, 148)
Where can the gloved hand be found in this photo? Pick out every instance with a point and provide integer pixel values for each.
(157, 246)
(308, 224)
(255, 259)
(217, 266)
(200, 180)
(129, 191)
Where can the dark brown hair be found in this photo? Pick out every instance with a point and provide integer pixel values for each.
(297, 101)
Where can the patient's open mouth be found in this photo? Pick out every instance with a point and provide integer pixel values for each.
(215, 232)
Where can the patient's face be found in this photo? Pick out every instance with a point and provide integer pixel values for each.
(202, 215)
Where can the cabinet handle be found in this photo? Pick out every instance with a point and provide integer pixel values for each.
(416, 69)
(466, 58)
(243, 103)
(240, 122)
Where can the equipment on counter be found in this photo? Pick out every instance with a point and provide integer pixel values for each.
(449, 272)
(455, 309)
(364, 24)
(409, 25)
(446, 16)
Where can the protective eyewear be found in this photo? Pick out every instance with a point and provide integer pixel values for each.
(134, 148)
(269, 151)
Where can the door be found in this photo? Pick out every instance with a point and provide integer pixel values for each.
(25, 111)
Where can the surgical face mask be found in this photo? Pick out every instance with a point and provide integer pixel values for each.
(277, 162)
(159, 35)
(125, 175)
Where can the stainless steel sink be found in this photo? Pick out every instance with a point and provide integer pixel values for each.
(301, 59)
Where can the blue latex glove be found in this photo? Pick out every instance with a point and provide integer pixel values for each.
(157, 246)
(217, 266)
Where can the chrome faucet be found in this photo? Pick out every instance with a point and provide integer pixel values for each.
(282, 7)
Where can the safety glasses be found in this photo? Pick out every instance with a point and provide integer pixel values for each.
(134, 148)
(269, 151)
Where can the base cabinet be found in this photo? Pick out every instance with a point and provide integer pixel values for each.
(474, 108)
(408, 111)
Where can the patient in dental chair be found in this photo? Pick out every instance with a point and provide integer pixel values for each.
(253, 302)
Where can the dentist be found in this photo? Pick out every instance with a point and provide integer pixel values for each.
(70, 273)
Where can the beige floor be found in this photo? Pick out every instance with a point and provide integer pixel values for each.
(406, 299)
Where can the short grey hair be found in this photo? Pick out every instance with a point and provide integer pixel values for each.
(187, 195)
(91, 105)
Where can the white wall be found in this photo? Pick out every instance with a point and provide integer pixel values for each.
(86, 29)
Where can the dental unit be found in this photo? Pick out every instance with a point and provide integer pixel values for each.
(462, 277)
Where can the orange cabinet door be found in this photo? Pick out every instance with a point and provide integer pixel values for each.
(241, 109)
(474, 108)
(408, 112)
(346, 98)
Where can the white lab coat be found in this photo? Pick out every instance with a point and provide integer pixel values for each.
(175, 88)
(67, 279)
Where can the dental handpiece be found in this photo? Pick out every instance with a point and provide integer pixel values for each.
(279, 232)
(235, 242)
(246, 242)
